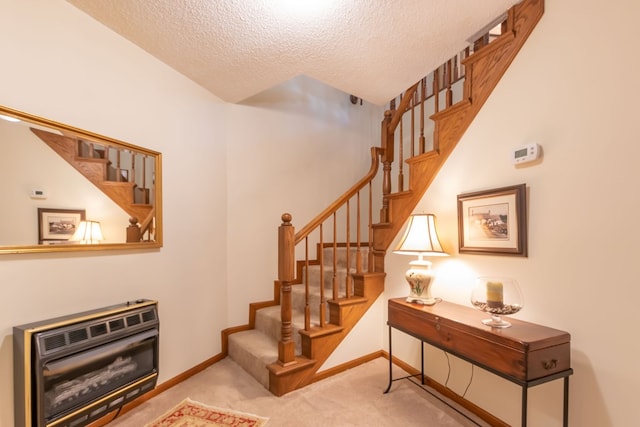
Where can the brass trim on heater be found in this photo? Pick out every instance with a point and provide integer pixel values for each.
(91, 316)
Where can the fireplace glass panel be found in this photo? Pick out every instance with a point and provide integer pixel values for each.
(75, 381)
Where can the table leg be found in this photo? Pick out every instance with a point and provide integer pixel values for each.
(422, 361)
(390, 364)
(524, 405)
(565, 414)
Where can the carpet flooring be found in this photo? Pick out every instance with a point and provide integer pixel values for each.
(352, 398)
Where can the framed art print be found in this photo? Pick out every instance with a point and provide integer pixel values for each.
(493, 221)
(58, 225)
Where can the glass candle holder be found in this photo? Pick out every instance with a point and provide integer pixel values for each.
(497, 296)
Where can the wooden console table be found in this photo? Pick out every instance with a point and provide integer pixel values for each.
(525, 354)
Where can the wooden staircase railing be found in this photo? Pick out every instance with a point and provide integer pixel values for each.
(443, 103)
(340, 228)
(446, 102)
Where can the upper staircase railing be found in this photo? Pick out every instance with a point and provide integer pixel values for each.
(408, 126)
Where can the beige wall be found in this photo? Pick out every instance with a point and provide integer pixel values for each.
(565, 91)
(227, 172)
(574, 90)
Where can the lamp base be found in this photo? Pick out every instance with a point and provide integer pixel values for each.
(420, 278)
(424, 301)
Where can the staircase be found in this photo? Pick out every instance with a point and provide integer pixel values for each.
(289, 338)
(101, 165)
(257, 348)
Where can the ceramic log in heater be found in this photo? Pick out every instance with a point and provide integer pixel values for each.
(72, 370)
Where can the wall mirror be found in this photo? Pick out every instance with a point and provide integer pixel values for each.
(67, 189)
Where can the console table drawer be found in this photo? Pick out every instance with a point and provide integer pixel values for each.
(524, 351)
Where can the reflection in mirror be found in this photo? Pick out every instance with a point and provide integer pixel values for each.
(57, 180)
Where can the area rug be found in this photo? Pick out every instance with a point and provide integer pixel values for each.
(194, 414)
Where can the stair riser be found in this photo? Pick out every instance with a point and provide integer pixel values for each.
(341, 257)
(298, 302)
(268, 322)
(328, 279)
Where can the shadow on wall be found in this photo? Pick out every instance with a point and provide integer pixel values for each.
(583, 384)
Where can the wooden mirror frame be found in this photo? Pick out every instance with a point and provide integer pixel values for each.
(154, 218)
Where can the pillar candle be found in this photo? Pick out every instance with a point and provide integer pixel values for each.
(494, 295)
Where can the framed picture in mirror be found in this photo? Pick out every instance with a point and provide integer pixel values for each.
(57, 226)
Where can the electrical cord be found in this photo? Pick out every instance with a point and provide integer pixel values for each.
(446, 382)
(470, 381)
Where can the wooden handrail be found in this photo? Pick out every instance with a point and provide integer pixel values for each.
(333, 207)
(287, 242)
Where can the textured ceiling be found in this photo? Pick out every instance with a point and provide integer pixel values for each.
(373, 49)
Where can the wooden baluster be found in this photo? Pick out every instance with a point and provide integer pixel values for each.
(133, 168)
(401, 156)
(347, 280)
(436, 89)
(466, 91)
(421, 140)
(323, 313)
(370, 240)
(118, 170)
(307, 307)
(449, 70)
(358, 236)
(334, 282)
(456, 70)
(286, 263)
(387, 160)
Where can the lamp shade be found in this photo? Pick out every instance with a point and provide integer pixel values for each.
(88, 232)
(420, 237)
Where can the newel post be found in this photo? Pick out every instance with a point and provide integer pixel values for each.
(286, 262)
(387, 159)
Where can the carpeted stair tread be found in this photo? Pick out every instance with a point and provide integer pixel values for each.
(254, 350)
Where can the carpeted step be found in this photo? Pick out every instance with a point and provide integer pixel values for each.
(268, 321)
(341, 256)
(314, 280)
(254, 350)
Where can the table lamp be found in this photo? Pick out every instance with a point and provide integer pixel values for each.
(88, 232)
(421, 239)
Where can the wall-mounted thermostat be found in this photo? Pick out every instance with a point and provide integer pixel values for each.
(38, 194)
(526, 153)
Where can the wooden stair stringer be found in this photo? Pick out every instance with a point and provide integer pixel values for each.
(319, 342)
(95, 170)
(485, 68)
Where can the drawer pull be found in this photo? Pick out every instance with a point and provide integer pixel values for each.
(552, 364)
